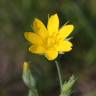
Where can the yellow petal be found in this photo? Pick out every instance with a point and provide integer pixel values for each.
(64, 46)
(53, 24)
(39, 28)
(36, 49)
(51, 54)
(65, 31)
(33, 38)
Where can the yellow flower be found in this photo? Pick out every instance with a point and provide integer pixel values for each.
(25, 66)
(49, 41)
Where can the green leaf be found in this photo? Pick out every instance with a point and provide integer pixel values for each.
(30, 82)
(67, 87)
(28, 79)
(33, 93)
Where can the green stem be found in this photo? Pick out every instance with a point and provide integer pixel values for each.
(59, 74)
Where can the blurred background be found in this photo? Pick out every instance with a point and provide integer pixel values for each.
(16, 17)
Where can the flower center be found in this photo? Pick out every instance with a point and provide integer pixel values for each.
(50, 42)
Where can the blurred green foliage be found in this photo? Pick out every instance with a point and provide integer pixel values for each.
(16, 17)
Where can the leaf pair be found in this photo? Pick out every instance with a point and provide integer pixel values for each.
(67, 87)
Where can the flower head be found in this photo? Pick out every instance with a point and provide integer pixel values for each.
(26, 66)
(49, 41)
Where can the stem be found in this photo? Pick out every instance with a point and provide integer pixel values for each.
(59, 74)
